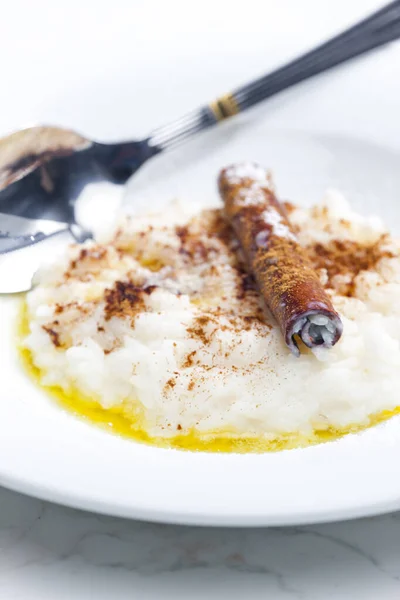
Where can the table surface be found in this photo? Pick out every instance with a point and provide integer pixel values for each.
(51, 552)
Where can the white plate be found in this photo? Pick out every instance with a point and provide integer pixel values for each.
(51, 454)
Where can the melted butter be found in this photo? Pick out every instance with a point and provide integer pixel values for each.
(153, 264)
(128, 425)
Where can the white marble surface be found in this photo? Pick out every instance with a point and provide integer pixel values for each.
(50, 552)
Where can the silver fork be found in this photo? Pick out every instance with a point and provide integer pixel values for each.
(44, 169)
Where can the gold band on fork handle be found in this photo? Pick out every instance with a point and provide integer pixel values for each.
(224, 107)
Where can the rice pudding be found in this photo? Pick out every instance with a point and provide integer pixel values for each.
(163, 323)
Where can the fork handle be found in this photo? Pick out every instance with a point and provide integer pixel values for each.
(376, 30)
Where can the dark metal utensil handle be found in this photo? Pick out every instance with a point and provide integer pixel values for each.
(376, 30)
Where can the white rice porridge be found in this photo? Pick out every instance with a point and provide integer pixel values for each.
(163, 321)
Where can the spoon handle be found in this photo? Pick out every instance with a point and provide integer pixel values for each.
(376, 30)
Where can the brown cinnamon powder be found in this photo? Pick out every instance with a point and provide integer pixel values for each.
(348, 258)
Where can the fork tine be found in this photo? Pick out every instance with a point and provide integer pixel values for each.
(17, 268)
(10, 243)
